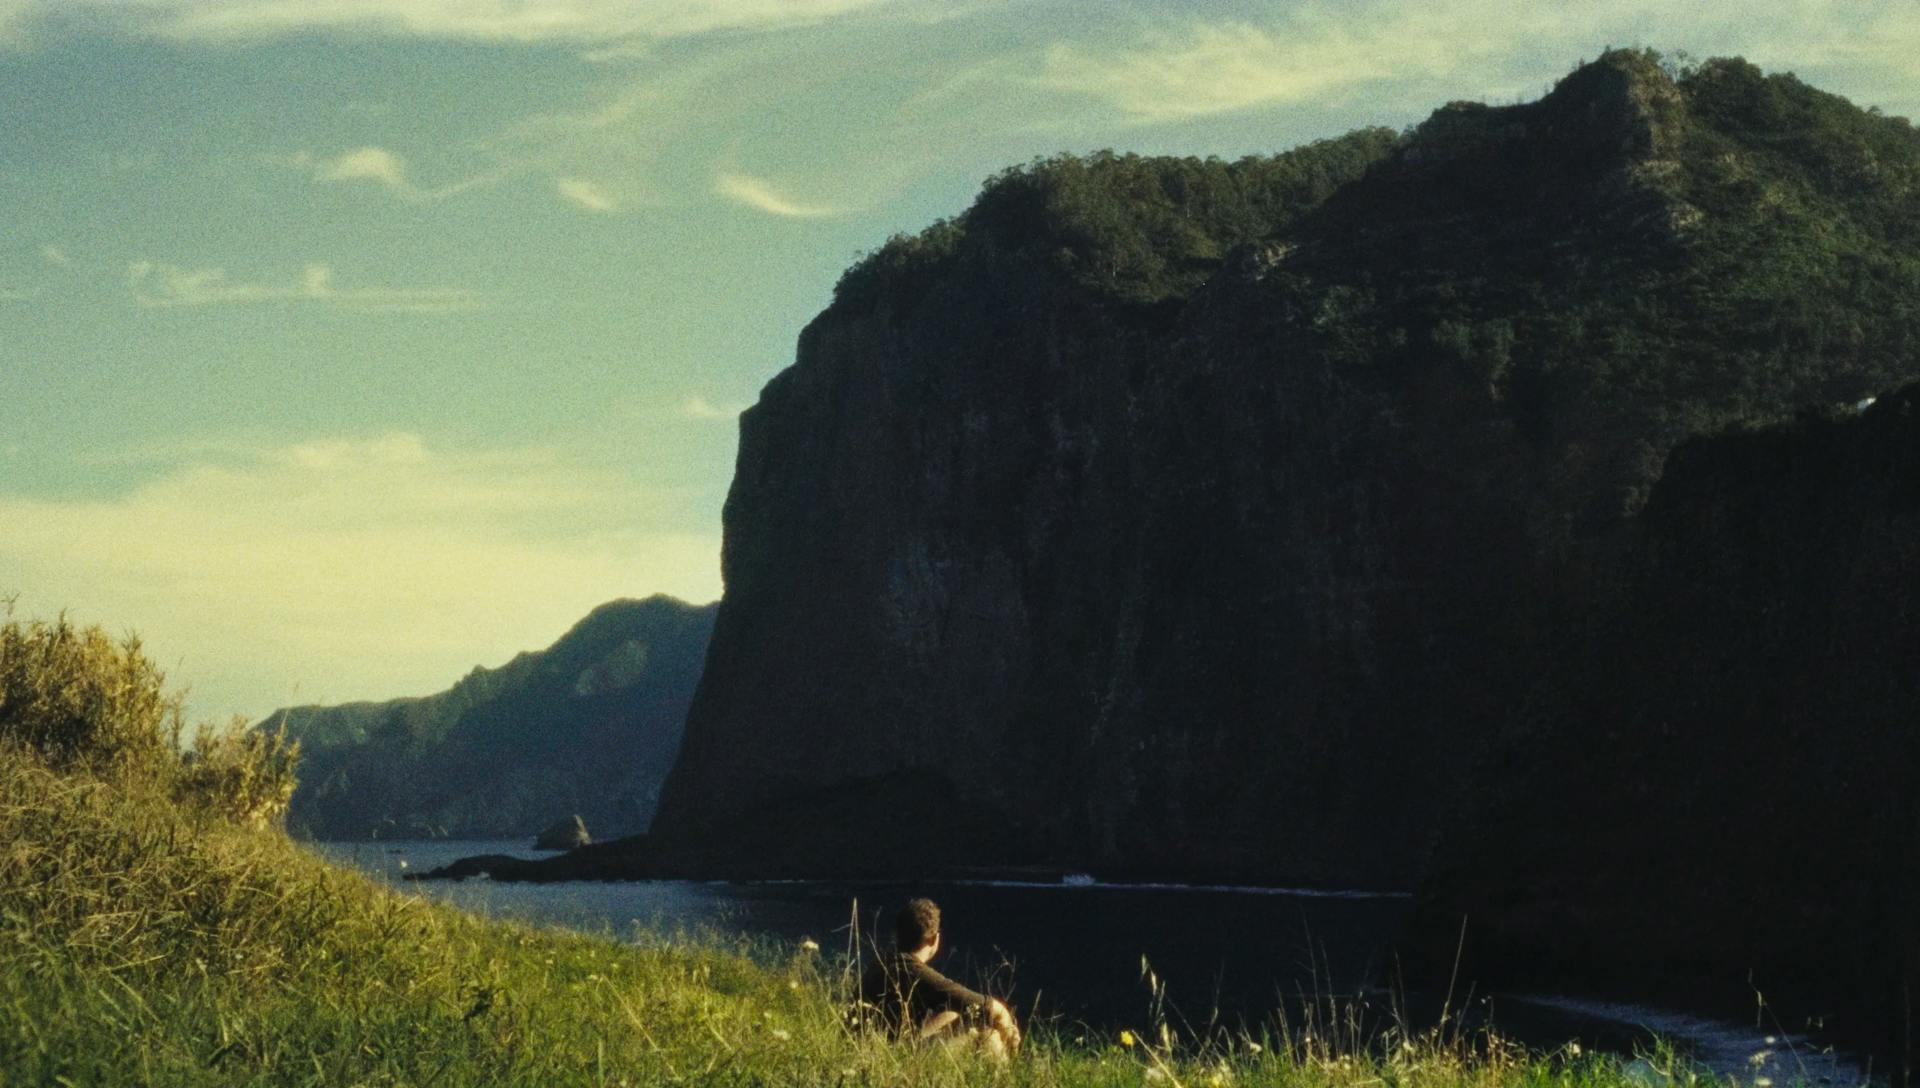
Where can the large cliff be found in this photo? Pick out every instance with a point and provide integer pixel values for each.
(1211, 519)
(589, 725)
(1721, 796)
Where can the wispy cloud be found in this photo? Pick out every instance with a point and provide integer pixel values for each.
(1397, 52)
(54, 255)
(160, 286)
(1206, 69)
(571, 21)
(760, 195)
(385, 169)
(586, 194)
(354, 566)
(367, 164)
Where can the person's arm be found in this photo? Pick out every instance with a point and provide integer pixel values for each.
(933, 991)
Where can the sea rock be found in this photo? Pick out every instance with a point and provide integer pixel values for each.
(563, 835)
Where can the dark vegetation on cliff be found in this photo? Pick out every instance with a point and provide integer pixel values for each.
(588, 726)
(1124, 228)
(1721, 797)
(1257, 520)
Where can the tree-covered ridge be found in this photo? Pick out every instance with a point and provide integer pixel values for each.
(1127, 228)
(1649, 251)
(589, 726)
(1636, 257)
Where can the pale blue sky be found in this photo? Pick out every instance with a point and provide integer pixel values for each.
(347, 344)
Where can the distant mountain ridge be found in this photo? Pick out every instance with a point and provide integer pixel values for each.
(590, 725)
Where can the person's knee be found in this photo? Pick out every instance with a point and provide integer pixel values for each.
(994, 1045)
(940, 1023)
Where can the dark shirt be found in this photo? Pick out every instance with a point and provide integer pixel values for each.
(904, 992)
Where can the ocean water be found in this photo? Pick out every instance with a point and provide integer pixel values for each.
(1080, 951)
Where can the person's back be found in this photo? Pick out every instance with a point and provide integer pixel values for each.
(914, 1001)
(906, 994)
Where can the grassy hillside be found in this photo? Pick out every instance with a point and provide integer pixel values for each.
(154, 932)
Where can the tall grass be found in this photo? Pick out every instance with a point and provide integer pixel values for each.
(156, 929)
(87, 703)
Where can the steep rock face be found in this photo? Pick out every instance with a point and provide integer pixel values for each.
(1086, 532)
(589, 725)
(1726, 803)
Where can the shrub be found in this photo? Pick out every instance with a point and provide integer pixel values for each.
(84, 702)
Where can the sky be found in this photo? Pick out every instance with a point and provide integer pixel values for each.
(348, 344)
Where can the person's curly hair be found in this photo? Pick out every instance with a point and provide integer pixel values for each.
(917, 925)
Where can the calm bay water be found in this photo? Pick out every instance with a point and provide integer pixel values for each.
(1236, 956)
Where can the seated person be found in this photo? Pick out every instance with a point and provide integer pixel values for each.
(915, 1001)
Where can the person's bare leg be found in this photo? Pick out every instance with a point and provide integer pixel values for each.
(938, 1023)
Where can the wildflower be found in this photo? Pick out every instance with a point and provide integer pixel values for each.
(793, 984)
(1126, 1037)
(1253, 1046)
(781, 1034)
(1573, 1049)
(807, 944)
(1763, 1082)
(1155, 1073)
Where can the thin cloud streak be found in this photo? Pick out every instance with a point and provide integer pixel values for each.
(583, 193)
(1319, 52)
(583, 22)
(367, 164)
(1210, 69)
(756, 193)
(165, 286)
(385, 169)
